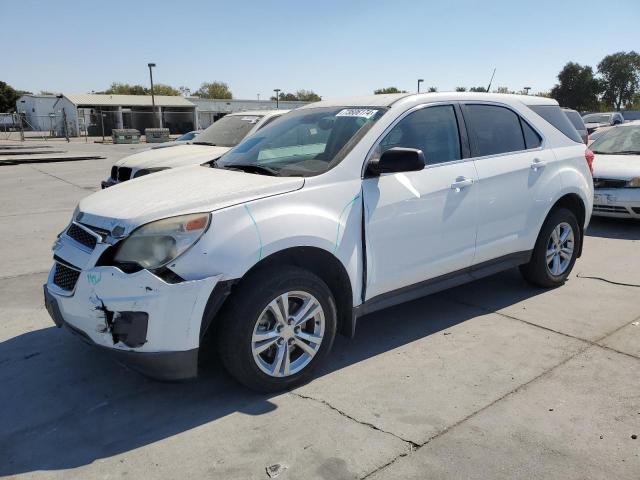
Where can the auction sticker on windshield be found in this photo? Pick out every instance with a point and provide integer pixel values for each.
(357, 112)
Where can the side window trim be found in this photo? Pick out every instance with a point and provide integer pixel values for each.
(472, 140)
(464, 149)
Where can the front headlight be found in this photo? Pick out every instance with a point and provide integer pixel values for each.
(157, 243)
(633, 183)
(146, 171)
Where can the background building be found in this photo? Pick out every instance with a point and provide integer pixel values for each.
(98, 114)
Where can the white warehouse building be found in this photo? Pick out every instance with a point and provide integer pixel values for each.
(98, 114)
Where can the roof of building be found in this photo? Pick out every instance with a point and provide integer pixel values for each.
(127, 100)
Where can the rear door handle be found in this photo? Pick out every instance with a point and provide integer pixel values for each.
(537, 163)
(461, 182)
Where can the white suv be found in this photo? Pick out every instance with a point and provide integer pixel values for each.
(336, 210)
(220, 137)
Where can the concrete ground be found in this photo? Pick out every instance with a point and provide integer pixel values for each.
(491, 380)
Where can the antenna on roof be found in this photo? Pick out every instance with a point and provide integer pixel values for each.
(491, 81)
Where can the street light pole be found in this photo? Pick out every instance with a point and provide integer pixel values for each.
(153, 98)
(526, 89)
(420, 80)
(277, 90)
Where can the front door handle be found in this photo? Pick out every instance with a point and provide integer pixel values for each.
(461, 182)
(537, 163)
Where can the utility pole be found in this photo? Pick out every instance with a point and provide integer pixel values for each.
(420, 80)
(66, 127)
(102, 123)
(277, 90)
(153, 98)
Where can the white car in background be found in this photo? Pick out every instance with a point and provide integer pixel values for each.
(616, 172)
(209, 145)
(593, 121)
(336, 210)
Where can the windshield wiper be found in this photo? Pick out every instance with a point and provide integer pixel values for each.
(253, 168)
(622, 152)
(204, 143)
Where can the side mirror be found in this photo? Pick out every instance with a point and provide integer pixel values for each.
(397, 159)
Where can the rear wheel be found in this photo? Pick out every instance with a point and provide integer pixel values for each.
(556, 250)
(277, 329)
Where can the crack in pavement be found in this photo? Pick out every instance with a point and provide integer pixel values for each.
(61, 179)
(593, 343)
(607, 281)
(18, 275)
(412, 445)
(587, 345)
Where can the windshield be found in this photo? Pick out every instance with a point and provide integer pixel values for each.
(228, 131)
(597, 118)
(303, 143)
(621, 140)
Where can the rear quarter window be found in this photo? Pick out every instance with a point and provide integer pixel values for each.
(556, 117)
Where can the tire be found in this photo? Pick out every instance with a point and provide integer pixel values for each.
(550, 274)
(256, 307)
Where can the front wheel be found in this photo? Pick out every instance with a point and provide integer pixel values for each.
(556, 250)
(277, 327)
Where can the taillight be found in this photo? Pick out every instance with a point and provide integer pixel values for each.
(589, 156)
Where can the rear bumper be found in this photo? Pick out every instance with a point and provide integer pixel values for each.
(167, 366)
(617, 202)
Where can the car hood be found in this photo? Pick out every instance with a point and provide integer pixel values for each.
(176, 156)
(176, 192)
(623, 167)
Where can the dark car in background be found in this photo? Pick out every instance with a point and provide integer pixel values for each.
(576, 120)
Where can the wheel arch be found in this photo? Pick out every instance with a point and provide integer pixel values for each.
(314, 259)
(574, 203)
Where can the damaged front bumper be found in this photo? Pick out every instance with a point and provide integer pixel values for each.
(149, 324)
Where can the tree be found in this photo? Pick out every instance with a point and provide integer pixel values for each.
(477, 89)
(125, 89)
(620, 74)
(577, 87)
(461, 89)
(307, 96)
(162, 89)
(503, 90)
(8, 97)
(432, 89)
(185, 91)
(214, 90)
(381, 91)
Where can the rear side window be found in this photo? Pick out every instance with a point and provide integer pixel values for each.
(555, 116)
(494, 130)
(531, 137)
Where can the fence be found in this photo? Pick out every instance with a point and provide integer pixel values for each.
(100, 122)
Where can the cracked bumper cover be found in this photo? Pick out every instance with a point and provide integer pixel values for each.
(174, 316)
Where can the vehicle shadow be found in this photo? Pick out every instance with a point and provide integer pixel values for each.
(66, 404)
(618, 228)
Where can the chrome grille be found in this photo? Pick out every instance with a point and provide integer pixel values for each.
(65, 277)
(82, 236)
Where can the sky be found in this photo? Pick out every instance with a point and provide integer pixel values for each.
(333, 47)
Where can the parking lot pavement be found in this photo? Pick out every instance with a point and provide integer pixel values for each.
(495, 379)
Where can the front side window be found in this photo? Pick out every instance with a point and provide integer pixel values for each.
(434, 130)
(494, 130)
(304, 142)
(228, 131)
